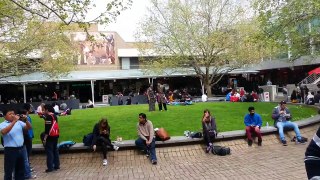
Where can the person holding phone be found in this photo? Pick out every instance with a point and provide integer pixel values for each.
(209, 129)
(282, 116)
(101, 137)
(253, 124)
(12, 132)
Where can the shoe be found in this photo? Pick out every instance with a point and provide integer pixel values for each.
(284, 142)
(32, 177)
(301, 141)
(147, 153)
(249, 142)
(48, 170)
(209, 148)
(116, 148)
(56, 168)
(260, 143)
(105, 162)
(154, 162)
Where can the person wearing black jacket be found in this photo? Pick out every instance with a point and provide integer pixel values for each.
(50, 142)
(101, 136)
(312, 157)
(209, 128)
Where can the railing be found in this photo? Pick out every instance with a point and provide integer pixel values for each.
(311, 79)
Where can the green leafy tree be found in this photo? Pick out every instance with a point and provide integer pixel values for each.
(34, 33)
(208, 37)
(291, 26)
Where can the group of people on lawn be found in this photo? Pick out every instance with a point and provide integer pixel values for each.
(145, 142)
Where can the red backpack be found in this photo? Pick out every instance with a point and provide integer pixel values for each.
(54, 131)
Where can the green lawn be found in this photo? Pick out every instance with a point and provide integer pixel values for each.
(176, 120)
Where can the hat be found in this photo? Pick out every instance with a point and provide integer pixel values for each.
(283, 102)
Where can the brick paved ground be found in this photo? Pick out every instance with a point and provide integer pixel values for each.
(271, 161)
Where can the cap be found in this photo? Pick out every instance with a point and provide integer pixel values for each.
(283, 102)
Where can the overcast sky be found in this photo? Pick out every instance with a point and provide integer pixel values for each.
(126, 23)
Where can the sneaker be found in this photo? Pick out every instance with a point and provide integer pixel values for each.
(147, 153)
(260, 143)
(48, 170)
(116, 148)
(209, 148)
(105, 162)
(284, 142)
(154, 162)
(301, 141)
(249, 142)
(32, 177)
(56, 168)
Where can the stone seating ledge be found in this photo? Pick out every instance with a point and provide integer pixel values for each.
(182, 140)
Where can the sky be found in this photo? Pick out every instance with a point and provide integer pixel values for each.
(127, 22)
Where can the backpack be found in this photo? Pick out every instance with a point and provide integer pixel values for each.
(66, 144)
(196, 135)
(162, 134)
(220, 150)
(54, 131)
(87, 139)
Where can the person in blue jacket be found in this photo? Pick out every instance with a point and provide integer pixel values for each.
(253, 123)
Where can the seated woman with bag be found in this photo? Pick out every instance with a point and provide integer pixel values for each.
(101, 137)
(209, 129)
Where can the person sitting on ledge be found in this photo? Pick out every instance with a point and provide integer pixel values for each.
(101, 136)
(253, 123)
(209, 129)
(282, 117)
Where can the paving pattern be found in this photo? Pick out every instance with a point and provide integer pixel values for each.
(271, 161)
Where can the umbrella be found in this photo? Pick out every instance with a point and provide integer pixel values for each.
(314, 71)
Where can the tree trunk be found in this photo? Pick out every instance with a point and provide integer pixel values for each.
(208, 89)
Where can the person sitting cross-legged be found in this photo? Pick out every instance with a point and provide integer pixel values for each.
(282, 116)
(253, 123)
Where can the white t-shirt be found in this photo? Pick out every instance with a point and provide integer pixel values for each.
(56, 108)
(204, 98)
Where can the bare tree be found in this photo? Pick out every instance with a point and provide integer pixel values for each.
(210, 37)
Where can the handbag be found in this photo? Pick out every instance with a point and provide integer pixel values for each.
(162, 134)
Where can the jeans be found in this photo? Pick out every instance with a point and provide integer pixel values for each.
(288, 124)
(27, 171)
(104, 142)
(141, 144)
(250, 129)
(52, 152)
(13, 162)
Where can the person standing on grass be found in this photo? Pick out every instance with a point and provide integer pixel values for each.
(253, 124)
(151, 99)
(101, 136)
(209, 129)
(12, 132)
(146, 140)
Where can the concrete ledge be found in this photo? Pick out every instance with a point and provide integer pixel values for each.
(182, 140)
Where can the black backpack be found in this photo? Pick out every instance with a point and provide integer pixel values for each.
(220, 150)
(87, 139)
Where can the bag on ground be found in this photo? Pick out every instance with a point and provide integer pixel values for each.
(220, 150)
(162, 134)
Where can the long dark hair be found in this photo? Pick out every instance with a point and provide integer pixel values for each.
(103, 120)
(206, 110)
